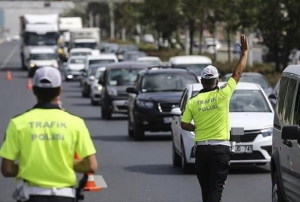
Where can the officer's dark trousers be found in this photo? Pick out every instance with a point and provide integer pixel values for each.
(212, 167)
(50, 199)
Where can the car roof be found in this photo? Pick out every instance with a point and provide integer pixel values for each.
(148, 58)
(240, 86)
(42, 50)
(164, 70)
(74, 50)
(190, 59)
(127, 64)
(77, 57)
(294, 69)
(102, 56)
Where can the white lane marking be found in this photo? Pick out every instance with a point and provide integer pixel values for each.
(100, 182)
(11, 54)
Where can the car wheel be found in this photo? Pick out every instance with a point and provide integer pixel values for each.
(277, 195)
(139, 132)
(130, 129)
(186, 167)
(105, 114)
(176, 159)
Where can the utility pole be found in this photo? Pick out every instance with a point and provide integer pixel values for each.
(250, 55)
(112, 20)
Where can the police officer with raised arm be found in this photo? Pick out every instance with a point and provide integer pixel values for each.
(44, 140)
(210, 111)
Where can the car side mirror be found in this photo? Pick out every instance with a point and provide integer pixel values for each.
(176, 111)
(291, 132)
(91, 78)
(131, 90)
(272, 96)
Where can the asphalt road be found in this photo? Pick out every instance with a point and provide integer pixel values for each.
(134, 171)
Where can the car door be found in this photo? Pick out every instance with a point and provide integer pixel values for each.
(132, 98)
(177, 125)
(285, 159)
(293, 151)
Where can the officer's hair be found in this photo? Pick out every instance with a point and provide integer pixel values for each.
(46, 95)
(208, 82)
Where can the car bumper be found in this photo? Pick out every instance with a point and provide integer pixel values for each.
(262, 148)
(96, 95)
(73, 75)
(152, 121)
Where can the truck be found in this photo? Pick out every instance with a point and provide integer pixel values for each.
(85, 38)
(37, 30)
(66, 24)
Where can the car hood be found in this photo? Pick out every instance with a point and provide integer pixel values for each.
(161, 96)
(43, 62)
(251, 120)
(76, 66)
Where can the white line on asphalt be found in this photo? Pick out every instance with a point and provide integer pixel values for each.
(11, 54)
(100, 182)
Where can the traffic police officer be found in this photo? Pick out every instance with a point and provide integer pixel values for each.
(210, 111)
(44, 140)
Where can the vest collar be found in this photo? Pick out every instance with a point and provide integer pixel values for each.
(46, 106)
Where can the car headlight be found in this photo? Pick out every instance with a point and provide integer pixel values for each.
(32, 64)
(98, 87)
(267, 132)
(144, 104)
(112, 91)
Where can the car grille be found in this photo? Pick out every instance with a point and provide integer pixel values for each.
(166, 107)
(254, 156)
(249, 136)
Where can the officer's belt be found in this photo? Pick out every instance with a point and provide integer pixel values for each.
(213, 142)
(66, 192)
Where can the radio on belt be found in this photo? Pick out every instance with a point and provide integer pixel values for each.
(235, 134)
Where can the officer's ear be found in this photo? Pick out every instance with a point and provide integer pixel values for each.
(217, 82)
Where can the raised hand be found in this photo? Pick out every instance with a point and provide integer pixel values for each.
(244, 44)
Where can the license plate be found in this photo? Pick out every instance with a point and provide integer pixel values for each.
(240, 149)
(167, 120)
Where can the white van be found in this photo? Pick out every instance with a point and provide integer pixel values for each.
(194, 62)
(100, 59)
(43, 56)
(285, 164)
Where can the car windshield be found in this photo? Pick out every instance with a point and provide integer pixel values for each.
(43, 56)
(196, 68)
(167, 82)
(258, 79)
(122, 77)
(103, 61)
(91, 45)
(77, 61)
(92, 70)
(247, 101)
(99, 73)
(80, 53)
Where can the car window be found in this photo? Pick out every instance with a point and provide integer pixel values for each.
(167, 82)
(80, 53)
(92, 71)
(196, 68)
(281, 95)
(122, 77)
(260, 80)
(182, 99)
(247, 101)
(99, 73)
(77, 61)
(43, 56)
(288, 101)
(185, 99)
(296, 119)
(92, 62)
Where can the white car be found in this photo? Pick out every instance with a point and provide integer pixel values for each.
(100, 59)
(43, 56)
(96, 88)
(249, 109)
(151, 60)
(73, 68)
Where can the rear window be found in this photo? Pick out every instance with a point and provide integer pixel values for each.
(92, 62)
(122, 77)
